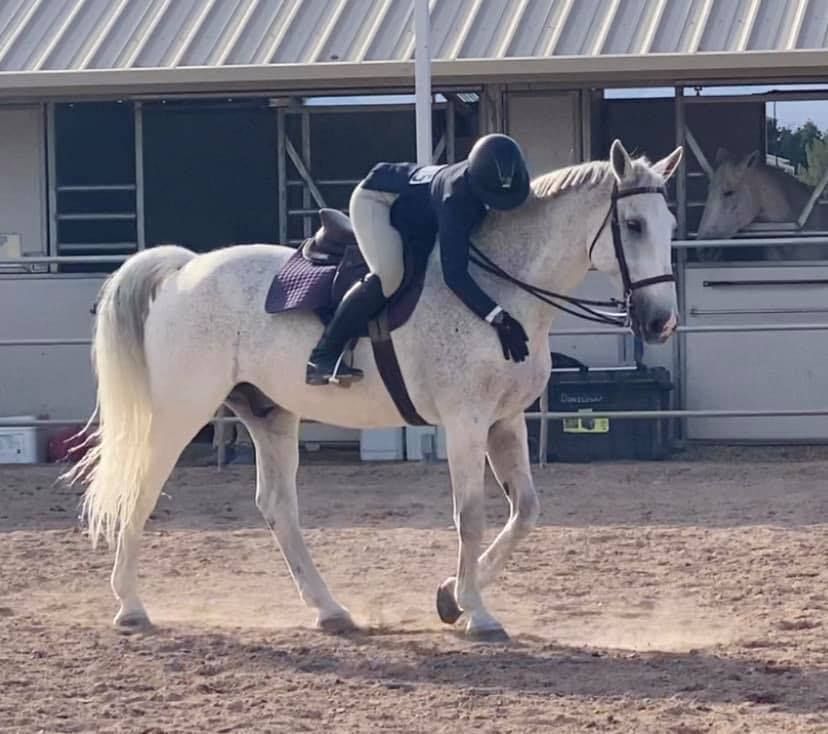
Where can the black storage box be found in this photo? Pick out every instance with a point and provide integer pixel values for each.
(582, 390)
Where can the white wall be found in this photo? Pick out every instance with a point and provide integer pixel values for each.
(23, 176)
(545, 124)
(55, 380)
(52, 380)
(760, 370)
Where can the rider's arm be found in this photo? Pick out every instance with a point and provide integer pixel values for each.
(457, 219)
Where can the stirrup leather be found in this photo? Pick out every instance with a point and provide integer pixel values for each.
(351, 374)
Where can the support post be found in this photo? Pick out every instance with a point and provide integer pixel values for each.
(422, 81)
(307, 224)
(680, 343)
(281, 175)
(419, 437)
(543, 432)
(51, 173)
(138, 132)
(451, 127)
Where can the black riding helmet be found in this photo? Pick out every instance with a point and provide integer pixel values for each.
(497, 172)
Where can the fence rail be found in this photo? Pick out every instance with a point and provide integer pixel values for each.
(533, 415)
(715, 329)
(220, 419)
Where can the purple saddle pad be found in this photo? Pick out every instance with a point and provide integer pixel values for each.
(300, 284)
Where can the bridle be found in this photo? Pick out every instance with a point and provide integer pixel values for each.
(589, 308)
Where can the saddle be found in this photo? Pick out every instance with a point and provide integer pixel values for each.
(327, 264)
(330, 241)
(321, 272)
(334, 244)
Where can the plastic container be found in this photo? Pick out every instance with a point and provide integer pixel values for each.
(582, 391)
(22, 445)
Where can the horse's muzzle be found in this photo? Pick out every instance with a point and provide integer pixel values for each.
(653, 323)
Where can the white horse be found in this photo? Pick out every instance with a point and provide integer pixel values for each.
(177, 331)
(746, 191)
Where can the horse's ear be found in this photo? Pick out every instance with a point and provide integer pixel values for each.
(722, 155)
(752, 159)
(666, 167)
(622, 165)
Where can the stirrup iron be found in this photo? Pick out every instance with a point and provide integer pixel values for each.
(346, 380)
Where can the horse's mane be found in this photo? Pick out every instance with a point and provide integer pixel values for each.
(589, 175)
(789, 182)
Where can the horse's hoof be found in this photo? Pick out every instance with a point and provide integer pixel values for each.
(132, 622)
(490, 635)
(341, 624)
(446, 603)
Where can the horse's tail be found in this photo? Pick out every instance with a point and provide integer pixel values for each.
(116, 465)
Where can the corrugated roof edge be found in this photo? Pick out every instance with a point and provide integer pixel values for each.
(572, 71)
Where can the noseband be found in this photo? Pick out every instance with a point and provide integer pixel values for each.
(588, 307)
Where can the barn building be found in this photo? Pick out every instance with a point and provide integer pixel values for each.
(129, 123)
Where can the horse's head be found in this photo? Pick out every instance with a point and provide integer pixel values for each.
(645, 228)
(730, 204)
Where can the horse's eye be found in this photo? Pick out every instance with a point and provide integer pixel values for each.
(634, 225)
(729, 193)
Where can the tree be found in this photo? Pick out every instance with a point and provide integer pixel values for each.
(816, 154)
(793, 144)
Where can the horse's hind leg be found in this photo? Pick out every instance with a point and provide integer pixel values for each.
(164, 450)
(509, 458)
(275, 434)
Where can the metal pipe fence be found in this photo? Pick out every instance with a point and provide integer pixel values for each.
(712, 329)
(220, 420)
(650, 414)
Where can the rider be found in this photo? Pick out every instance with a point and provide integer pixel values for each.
(403, 201)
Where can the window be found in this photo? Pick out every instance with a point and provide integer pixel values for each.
(754, 157)
(95, 193)
(210, 173)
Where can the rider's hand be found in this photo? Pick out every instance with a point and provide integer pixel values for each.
(513, 338)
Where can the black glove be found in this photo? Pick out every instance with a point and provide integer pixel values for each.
(513, 338)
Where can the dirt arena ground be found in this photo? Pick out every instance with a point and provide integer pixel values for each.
(685, 596)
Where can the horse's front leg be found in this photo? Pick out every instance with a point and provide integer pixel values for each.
(466, 448)
(509, 458)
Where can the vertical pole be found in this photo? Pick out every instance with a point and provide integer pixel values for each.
(681, 178)
(451, 126)
(51, 172)
(138, 132)
(422, 81)
(219, 438)
(307, 223)
(418, 438)
(281, 175)
(543, 431)
(680, 345)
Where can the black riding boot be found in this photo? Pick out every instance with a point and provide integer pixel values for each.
(359, 304)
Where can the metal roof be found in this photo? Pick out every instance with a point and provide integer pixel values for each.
(48, 43)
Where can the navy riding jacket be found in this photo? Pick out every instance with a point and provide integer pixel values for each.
(436, 200)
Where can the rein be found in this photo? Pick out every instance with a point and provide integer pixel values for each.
(588, 307)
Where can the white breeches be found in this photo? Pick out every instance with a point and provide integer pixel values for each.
(379, 242)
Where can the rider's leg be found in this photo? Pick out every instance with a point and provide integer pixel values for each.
(379, 242)
(381, 247)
